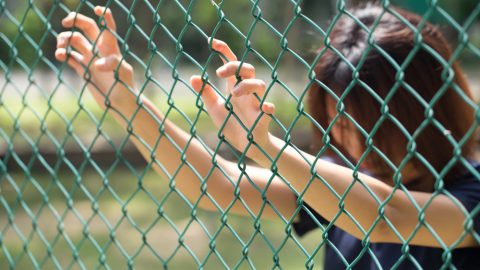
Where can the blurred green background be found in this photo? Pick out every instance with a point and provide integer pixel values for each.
(68, 201)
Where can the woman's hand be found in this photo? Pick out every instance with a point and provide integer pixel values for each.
(96, 55)
(244, 103)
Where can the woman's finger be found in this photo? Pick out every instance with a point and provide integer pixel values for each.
(76, 40)
(249, 86)
(268, 108)
(108, 44)
(87, 25)
(247, 71)
(223, 48)
(73, 58)
(209, 96)
(106, 14)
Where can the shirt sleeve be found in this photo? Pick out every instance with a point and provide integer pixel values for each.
(307, 220)
(468, 193)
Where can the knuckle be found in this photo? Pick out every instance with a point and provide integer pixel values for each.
(249, 67)
(65, 34)
(261, 84)
(79, 39)
(232, 66)
(235, 64)
(64, 37)
(89, 21)
(76, 37)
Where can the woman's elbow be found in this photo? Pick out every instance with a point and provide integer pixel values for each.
(384, 230)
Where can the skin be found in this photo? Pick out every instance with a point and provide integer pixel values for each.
(442, 214)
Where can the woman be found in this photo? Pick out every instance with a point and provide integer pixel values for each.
(408, 212)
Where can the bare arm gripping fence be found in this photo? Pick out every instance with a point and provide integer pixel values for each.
(75, 194)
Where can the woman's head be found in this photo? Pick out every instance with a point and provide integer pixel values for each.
(387, 89)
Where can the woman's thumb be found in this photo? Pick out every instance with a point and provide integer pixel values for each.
(209, 96)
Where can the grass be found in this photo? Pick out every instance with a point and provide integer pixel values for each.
(42, 228)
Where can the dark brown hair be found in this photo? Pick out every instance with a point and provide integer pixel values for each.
(423, 75)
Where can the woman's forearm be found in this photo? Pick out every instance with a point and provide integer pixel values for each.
(354, 202)
(220, 180)
(165, 148)
(334, 190)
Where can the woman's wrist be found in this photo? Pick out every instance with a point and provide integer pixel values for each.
(118, 96)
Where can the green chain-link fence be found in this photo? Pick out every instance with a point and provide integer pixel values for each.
(76, 194)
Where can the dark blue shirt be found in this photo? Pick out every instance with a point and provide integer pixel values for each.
(342, 249)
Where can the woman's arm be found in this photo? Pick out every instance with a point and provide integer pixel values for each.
(334, 192)
(220, 185)
(442, 215)
(137, 113)
(336, 185)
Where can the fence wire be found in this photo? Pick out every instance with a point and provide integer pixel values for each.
(74, 193)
